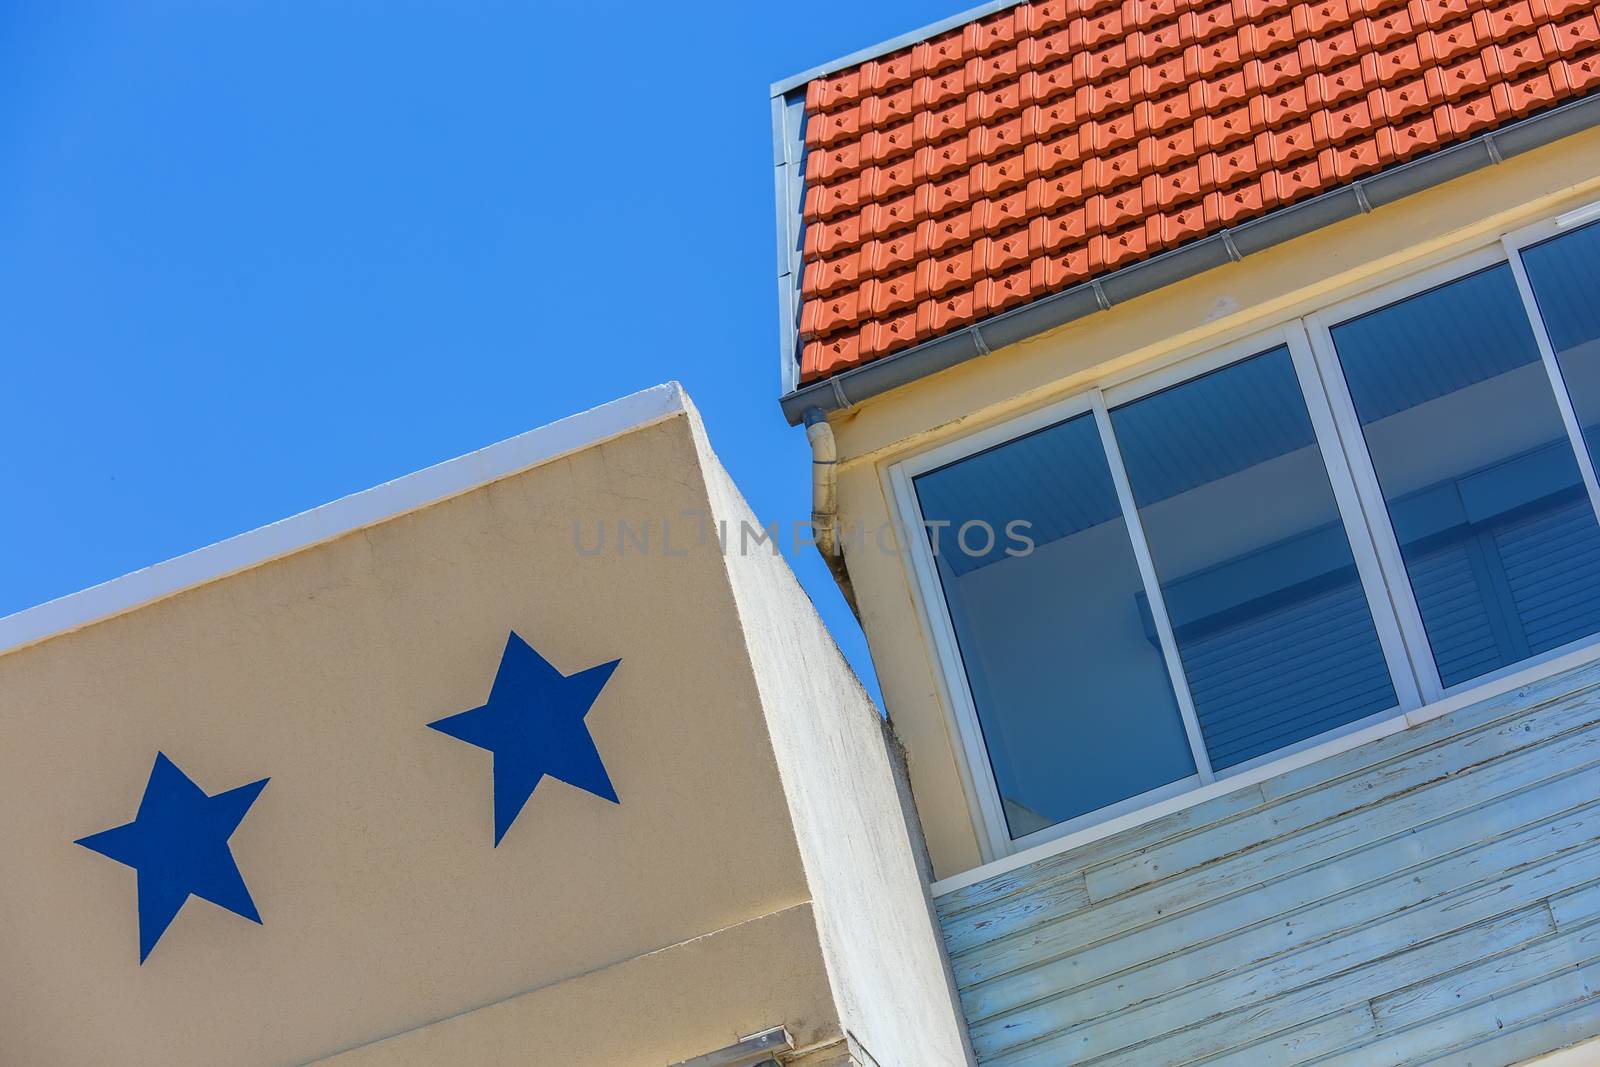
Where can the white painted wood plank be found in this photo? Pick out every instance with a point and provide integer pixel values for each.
(1386, 838)
(1018, 901)
(979, 926)
(1462, 1029)
(1536, 1037)
(1568, 950)
(1343, 795)
(1303, 1043)
(1069, 865)
(1577, 905)
(1328, 839)
(1191, 1007)
(1294, 949)
(1256, 1020)
(1297, 899)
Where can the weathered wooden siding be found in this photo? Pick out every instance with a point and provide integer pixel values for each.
(1433, 896)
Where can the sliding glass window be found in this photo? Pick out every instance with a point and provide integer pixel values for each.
(1260, 583)
(1069, 684)
(1478, 475)
(1163, 589)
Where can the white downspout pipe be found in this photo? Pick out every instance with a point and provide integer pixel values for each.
(825, 502)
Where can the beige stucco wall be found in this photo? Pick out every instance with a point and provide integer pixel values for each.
(1206, 311)
(680, 997)
(596, 934)
(863, 853)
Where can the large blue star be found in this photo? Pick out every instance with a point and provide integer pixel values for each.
(533, 724)
(179, 845)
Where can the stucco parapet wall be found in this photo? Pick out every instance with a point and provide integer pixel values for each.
(660, 1008)
(346, 515)
(734, 886)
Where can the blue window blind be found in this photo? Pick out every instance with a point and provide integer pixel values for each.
(1483, 490)
(1273, 629)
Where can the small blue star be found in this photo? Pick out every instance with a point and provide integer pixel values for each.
(533, 724)
(179, 845)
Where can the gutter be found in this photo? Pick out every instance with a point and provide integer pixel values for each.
(844, 390)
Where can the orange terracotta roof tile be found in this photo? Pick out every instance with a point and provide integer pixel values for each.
(1033, 148)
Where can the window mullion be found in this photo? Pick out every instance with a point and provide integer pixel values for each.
(1379, 527)
(1152, 588)
(1558, 384)
(1357, 525)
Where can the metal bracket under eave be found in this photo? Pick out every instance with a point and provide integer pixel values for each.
(753, 1051)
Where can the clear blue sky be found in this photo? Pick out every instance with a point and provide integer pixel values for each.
(254, 257)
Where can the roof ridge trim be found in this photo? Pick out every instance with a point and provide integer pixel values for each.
(358, 511)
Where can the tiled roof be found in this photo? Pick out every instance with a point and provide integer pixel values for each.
(1032, 149)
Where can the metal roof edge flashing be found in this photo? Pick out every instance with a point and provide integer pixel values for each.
(851, 387)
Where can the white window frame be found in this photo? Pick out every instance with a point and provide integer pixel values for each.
(1318, 325)
(1304, 330)
(972, 755)
(1513, 244)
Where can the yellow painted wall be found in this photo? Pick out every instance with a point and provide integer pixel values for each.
(1206, 311)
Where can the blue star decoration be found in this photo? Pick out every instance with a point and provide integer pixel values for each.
(533, 723)
(178, 843)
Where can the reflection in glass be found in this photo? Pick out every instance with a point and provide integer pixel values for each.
(1484, 493)
(1074, 700)
(1565, 274)
(1273, 628)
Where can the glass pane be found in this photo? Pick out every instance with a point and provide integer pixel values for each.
(1256, 570)
(1565, 275)
(1055, 631)
(1482, 487)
